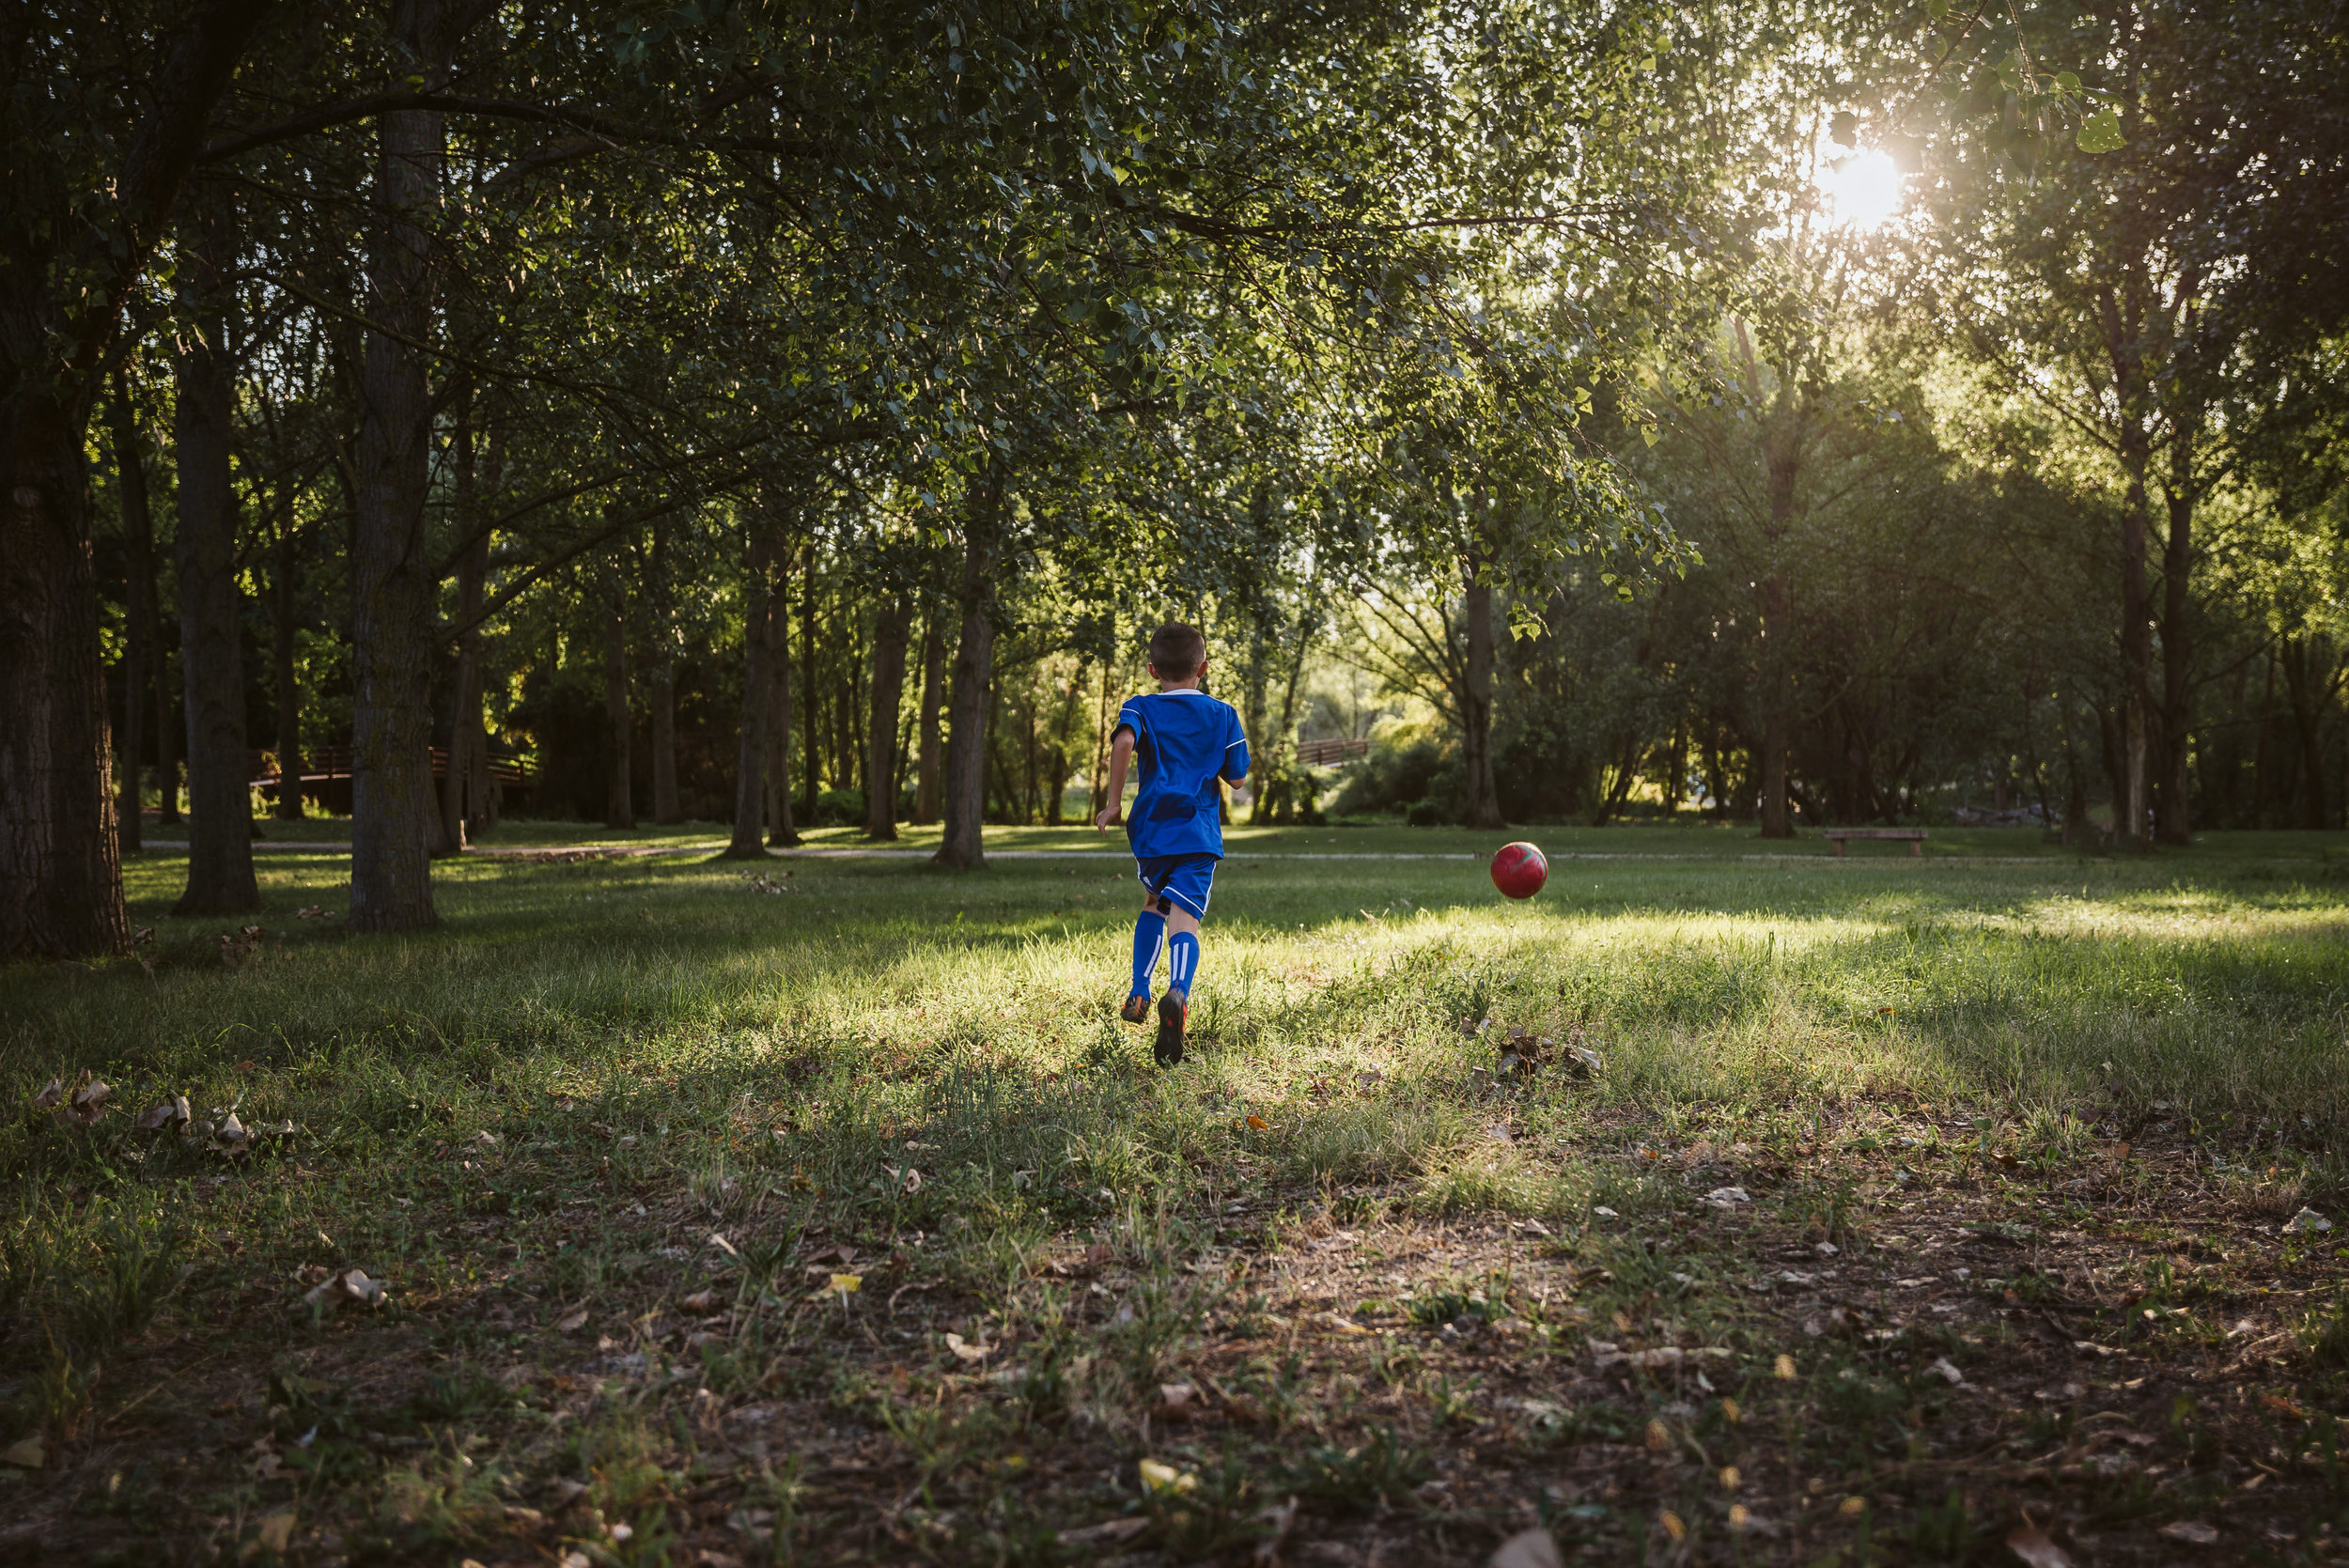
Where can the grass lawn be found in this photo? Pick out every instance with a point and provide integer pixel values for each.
(1915, 1203)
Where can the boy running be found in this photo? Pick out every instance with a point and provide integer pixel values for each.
(1186, 740)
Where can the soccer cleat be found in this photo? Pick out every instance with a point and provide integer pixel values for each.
(1136, 1010)
(1172, 1013)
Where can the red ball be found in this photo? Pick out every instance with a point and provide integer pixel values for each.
(1519, 871)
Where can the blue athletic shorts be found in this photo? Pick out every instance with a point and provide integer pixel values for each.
(1185, 879)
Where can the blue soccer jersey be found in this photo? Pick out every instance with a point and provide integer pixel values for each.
(1184, 742)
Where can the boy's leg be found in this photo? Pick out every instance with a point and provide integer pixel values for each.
(1182, 951)
(1149, 936)
(1187, 889)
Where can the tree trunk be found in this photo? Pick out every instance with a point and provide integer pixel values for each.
(1476, 698)
(142, 648)
(392, 587)
(781, 832)
(2307, 724)
(283, 591)
(620, 811)
(1777, 822)
(2137, 649)
(810, 762)
(666, 809)
(2174, 824)
(464, 798)
(62, 284)
(925, 784)
(466, 740)
(965, 784)
(890, 631)
(750, 768)
(220, 807)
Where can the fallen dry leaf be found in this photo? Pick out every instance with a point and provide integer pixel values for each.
(25, 1453)
(1532, 1548)
(2192, 1531)
(47, 1098)
(89, 1103)
(1177, 1402)
(2029, 1542)
(702, 1301)
(351, 1285)
(966, 1350)
(277, 1531)
(574, 1322)
(165, 1113)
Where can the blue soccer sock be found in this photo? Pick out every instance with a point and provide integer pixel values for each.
(1149, 933)
(1182, 962)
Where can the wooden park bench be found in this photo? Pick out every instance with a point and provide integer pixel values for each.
(1915, 837)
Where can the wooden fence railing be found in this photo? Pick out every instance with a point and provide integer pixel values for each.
(1324, 753)
(325, 764)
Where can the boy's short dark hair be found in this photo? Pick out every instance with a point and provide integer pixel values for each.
(1177, 652)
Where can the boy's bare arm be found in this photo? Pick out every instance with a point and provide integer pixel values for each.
(1121, 753)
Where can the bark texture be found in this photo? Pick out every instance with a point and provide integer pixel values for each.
(284, 589)
(464, 788)
(1476, 701)
(2173, 820)
(619, 810)
(965, 784)
(142, 650)
(781, 832)
(390, 873)
(892, 629)
(220, 811)
(750, 772)
(925, 778)
(62, 287)
(665, 808)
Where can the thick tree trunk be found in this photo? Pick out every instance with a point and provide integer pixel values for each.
(1476, 700)
(60, 867)
(619, 810)
(283, 595)
(891, 631)
(142, 650)
(2307, 724)
(925, 778)
(2174, 823)
(752, 774)
(965, 782)
(392, 587)
(62, 283)
(219, 806)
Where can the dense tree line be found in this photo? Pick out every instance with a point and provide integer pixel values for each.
(792, 415)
